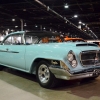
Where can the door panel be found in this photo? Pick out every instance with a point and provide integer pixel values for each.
(13, 55)
(12, 51)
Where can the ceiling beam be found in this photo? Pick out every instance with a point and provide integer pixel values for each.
(75, 4)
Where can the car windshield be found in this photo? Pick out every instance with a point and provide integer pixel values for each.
(48, 37)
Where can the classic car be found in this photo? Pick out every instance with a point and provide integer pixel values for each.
(39, 53)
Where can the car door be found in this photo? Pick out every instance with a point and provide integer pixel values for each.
(12, 54)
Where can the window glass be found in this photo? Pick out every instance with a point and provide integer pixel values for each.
(31, 39)
(14, 40)
(8, 41)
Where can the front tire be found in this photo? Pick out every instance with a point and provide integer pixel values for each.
(44, 76)
(1, 67)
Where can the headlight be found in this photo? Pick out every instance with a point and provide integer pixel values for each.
(72, 59)
(74, 63)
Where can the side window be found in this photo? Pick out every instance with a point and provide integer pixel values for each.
(14, 40)
(31, 39)
(8, 41)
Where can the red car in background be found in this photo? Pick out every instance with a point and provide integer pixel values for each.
(67, 39)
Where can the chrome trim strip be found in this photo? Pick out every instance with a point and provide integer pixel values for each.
(89, 51)
(9, 51)
(64, 74)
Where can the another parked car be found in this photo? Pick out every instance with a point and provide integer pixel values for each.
(67, 39)
(39, 53)
(94, 41)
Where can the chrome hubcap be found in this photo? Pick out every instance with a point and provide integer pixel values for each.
(43, 73)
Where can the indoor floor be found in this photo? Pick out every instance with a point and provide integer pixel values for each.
(16, 85)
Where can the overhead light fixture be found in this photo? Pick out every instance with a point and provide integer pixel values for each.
(80, 22)
(48, 8)
(75, 16)
(36, 26)
(24, 9)
(12, 30)
(25, 24)
(44, 28)
(66, 6)
(66, 21)
(13, 19)
(8, 29)
(83, 23)
(88, 28)
(16, 26)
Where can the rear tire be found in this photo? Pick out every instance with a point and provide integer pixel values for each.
(44, 76)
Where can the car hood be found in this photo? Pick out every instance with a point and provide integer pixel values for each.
(77, 45)
(59, 51)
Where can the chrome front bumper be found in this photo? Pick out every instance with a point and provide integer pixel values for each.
(64, 74)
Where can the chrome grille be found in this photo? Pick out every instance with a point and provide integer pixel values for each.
(90, 58)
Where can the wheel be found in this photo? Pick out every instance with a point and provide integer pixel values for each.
(45, 78)
(1, 67)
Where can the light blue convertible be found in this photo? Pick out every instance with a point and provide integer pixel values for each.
(39, 53)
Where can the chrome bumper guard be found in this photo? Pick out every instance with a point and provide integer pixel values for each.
(64, 74)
